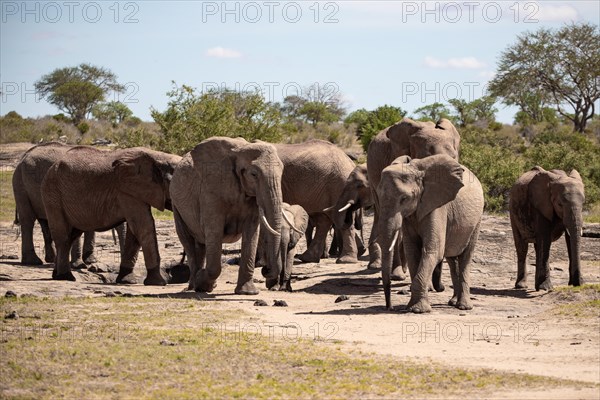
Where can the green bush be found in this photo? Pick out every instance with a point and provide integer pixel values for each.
(83, 127)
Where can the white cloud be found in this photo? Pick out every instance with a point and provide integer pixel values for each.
(221, 52)
(554, 13)
(454, 63)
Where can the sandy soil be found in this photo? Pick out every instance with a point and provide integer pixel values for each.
(508, 330)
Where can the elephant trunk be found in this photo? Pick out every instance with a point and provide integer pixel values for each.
(271, 204)
(573, 225)
(390, 233)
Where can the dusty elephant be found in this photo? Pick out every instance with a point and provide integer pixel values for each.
(417, 140)
(543, 205)
(434, 205)
(93, 190)
(314, 175)
(27, 182)
(221, 190)
(291, 232)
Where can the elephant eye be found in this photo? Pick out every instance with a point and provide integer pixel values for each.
(254, 173)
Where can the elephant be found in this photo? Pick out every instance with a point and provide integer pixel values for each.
(221, 191)
(544, 204)
(314, 176)
(93, 190)
(291, 233)
(417, 140)
(434, 205)
(27, 181)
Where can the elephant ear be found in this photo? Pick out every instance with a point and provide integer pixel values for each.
(139, 176)
(401, 160)
(300, 219)
(442, 180)
(243, 158)
(400, 133)
(540, 193)
(448, 126)
(575, 175)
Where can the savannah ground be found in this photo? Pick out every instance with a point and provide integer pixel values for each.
(93, 338)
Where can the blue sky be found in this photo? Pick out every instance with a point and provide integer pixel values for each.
(403, 53)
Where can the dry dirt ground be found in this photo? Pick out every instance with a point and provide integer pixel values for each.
(521, 331)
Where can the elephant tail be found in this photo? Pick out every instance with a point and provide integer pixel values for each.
(17, 223)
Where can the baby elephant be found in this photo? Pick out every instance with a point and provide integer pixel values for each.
(291, 233)
(543, 205)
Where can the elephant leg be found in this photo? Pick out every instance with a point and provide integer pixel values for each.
(453, 267)
(195, 251)
(121, 231)
(419, 300)
(28, 256)
(49, 251)
(521, 247)
(286, 275)
(76, 259)
(143, 227)
(349, 251)
(245, 283)
(89, 243)
(374, 249)
(542, 254)
(315, 249)
(360, 244)
(436, 279)
(464, 274)
(206, 278)
(399, 263)
(335, 247)
(575, 278)
(62, 268)
(131, 249)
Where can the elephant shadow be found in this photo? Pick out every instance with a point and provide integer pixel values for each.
(516, 293)
(348, 285)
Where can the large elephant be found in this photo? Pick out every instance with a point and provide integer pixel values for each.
(291, 232)
(314, 176)
(27, 181)
(221, 190)
(93, 190)
(543, 205)
(417, 140)
(434, 205)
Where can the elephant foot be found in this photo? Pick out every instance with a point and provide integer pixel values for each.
(308, 258)
(464, 305)
(31, 259)
(287, 286)
(397, 274)
(453, 301)
(49, 257)
(545, 285)
(346, 260)
(78, 264)
(154, 278)
(374, 264)
(439, 287)
(419, 306)
(247, 288)
(522, 284)
(578, 281)
(66, 276)
(126, 278)
(91, 259)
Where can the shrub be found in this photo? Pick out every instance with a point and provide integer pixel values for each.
(83, 127)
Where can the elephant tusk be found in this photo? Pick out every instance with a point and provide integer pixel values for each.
(394, 241)
(266, 223)
(290, 223)
(326, 210)
(347, 206)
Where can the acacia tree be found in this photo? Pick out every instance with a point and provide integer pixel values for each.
(76, 90)
(114, 111)
(560, 67)
(314, 105)
(433, 112)
(467, 113)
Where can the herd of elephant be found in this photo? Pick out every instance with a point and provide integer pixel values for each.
(428, 208)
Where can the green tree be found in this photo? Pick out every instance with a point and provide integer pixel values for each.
(314, 105)
(369, 123)
(75, 90)
(433, 112)
(113, 111)
(479, 110)
(560, 67)
(191, 117)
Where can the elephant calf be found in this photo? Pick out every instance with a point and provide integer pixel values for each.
(93, 190)
(543, 205)
(291, 232)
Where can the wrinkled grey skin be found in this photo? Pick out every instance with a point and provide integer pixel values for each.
(27, 182)
(93, 190)
(543, 205)
(314, 175)
(417, 140)
(218, 190)
(434, 205)
(289, 240)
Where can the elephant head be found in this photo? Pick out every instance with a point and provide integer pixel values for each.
(146, 175)
(259, 171)
(355, 195)
(412, 188)
(556, 194)
(421, 139)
